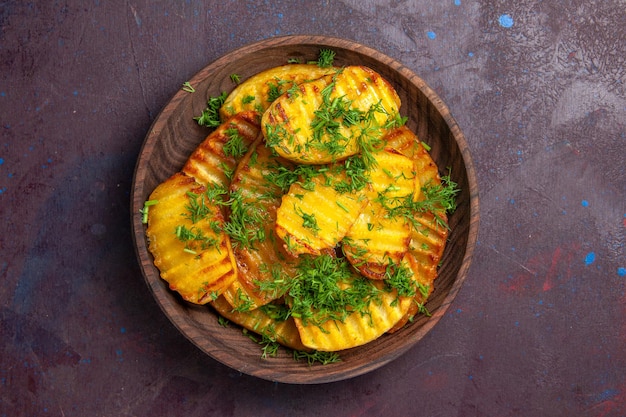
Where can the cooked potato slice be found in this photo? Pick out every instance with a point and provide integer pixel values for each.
(284, 332)
(427, 244)
(314, 217)
(376, 242)
(359, 327)
(428, 234)
(183, 232)
(379, 239)
(257, 92)
(266, 258)
(331, 118)
(216, 157)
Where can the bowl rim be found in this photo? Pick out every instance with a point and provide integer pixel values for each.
(137, 192)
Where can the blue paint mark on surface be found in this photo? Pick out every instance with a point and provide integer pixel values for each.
(1, 161)
(506, 21)
(584, 203)
(606, 395)
(75, 92)
(3, 94)
(590, 258)
(431, 34)
(470, 54)
(457, 2)
(123, 330)
(621, 271)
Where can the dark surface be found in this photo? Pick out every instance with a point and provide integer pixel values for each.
(538, 329)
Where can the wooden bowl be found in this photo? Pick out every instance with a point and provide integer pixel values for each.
(174, 135)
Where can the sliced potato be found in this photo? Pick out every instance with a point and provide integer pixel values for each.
(375, 242)
(267, 258)
(284, 332)
(216, 157)
(257, 92)
(329, 119)
(358, 328)
(378, 239)
(428, 234)
(314, 217)
(191, 254)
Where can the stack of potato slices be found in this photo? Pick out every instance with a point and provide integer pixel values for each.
(312, 215)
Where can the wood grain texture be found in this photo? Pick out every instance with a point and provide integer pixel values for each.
(174, 135)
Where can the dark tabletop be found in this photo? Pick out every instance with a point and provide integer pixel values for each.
(537, 87)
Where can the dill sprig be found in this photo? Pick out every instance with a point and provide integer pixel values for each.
(235, 146)
(316, 356)
(210, 116)
(325, 58)
(438, 198)
(324, 288)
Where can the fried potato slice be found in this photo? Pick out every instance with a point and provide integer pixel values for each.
(193, 257)
(378, 240)
(329, 119)
(429, 231)
(357, 328)
(266, 258)
(257, 92)
(284, 332)
(313, 216)
(216, 157)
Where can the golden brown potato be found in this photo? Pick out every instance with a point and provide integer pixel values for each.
(257, 92)
(266, 257)
(331, 118)
(216, 157)
(359, 327)
(314, 217)
(378, 239)
(184, 233)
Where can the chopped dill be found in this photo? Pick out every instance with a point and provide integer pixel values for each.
(210, 116)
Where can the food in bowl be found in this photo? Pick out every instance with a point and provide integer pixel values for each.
(312, 215)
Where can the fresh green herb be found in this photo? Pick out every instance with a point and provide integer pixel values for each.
(210, 116)
(188, 87)
(308, 220)
(325, 59)
(293, 61)
(325, 288)
(278, 312)
(316, 356)
(268, 342)
(235, 78)
(235, 146)
(247, 99)
(145, 209)
(192, 237)
(196, 208)
(437, 198)
(222, 321)
(400, 278)
(341, 206)
(276, 89)
(421, 308)
(245, 225)
(243, 302)
(356, 173)
(426, 146)
(215, 193)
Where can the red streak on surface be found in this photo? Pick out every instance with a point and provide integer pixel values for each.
(556, 264)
